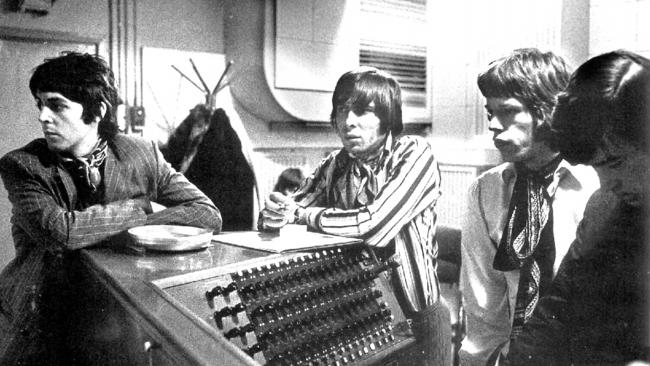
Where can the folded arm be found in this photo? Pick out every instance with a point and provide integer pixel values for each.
(185, 204)
(412, 185)
(41, 212)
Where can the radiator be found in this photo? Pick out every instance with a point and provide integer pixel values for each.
(455, 182)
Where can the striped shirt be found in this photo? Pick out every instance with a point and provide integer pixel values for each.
(400, 216)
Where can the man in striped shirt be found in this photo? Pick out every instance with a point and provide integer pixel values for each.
(382, 189)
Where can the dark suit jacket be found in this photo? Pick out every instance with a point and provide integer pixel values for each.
(595, 311)
(46, 227)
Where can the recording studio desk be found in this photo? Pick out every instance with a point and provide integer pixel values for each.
(150, 308)
(128, 322)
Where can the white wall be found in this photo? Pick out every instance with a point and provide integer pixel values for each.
(618, 24)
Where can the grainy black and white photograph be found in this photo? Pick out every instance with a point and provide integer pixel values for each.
(325, 182)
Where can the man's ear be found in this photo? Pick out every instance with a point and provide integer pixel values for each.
(102, 110)
(542, 129)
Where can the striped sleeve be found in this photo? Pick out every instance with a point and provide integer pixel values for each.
(38, 213)
(412, 185)
(186, 204)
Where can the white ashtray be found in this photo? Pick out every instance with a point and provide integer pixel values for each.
(171, 238)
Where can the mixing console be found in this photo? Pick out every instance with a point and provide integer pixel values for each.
(328, 307)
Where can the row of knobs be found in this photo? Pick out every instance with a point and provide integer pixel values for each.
(305, 275)
(296, 278)
(344, 344)
(338, 323)
(300, 302)
(305, 308)
(275, 286)
(288, 280)
(294, 263)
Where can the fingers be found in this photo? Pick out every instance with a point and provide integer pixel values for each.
(272, 215)
(279, 203)
(273, 206)
(278, 211)
(271, 221)
(279, 197)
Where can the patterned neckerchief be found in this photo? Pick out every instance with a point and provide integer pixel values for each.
(525, 244)
(87, 168)
(356, 182)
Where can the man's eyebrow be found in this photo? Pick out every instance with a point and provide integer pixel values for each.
(504, 107)
(55, 99)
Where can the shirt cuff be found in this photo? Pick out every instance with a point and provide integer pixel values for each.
(310, 216)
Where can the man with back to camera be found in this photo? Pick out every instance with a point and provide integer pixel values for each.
(596, 311)
(521, 215)
(80, 185)
(382, 189)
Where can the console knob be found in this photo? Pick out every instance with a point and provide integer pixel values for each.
(224, 312)
(248, 289)
(216, 291)
(258, 311)
(234, 332)
(248, 328)
(238, 308)
(257, 347)
(230, 288)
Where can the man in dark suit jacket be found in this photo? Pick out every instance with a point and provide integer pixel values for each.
(596, 309)
(80, 185)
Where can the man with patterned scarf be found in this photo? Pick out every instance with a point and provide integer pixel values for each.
(381, 188)
(81, 185)
(521, 215)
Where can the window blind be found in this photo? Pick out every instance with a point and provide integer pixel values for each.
(394, 38)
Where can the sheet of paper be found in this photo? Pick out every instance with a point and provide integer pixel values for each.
(291, 238)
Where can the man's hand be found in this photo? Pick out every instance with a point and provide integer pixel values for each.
(148, 206)
(278, 211)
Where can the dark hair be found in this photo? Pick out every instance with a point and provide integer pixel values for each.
(533, 77)
(85, 79)
(357, 88)
(290, 178)
(608, 94)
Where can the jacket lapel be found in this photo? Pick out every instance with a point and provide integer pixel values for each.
(113, 173)
(69, 189)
